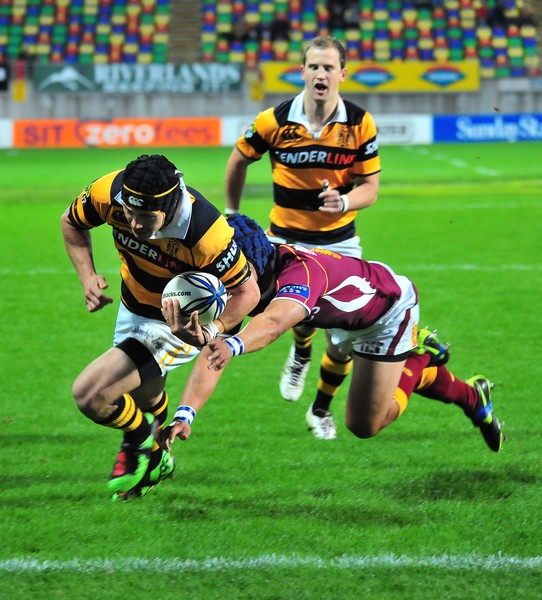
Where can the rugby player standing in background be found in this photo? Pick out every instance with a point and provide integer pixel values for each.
(325, 168)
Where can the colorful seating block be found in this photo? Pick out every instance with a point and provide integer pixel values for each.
(380, 30)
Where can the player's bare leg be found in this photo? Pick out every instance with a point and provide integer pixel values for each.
(102, 393)
(103, 381)
(371, 405)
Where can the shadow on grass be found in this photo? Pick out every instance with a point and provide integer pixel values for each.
(464, 485)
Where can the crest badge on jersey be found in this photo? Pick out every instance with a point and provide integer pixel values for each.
(343, 137)
(172, 247)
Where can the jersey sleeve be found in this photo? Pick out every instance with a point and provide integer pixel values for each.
(303, 280)
(367, 161)
(256, 140)
(93, 204)
(217, 252)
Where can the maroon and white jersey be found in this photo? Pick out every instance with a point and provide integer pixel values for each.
(338, 292)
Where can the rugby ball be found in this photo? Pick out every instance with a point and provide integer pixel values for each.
(196, 290)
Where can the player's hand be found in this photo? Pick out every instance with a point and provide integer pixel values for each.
(219, 354)
(178, 429)
(185, 328)
(95, 299)
(330, 199)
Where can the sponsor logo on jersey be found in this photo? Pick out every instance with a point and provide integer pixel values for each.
(294, 290)
(153, 254)
(85, 197)
(290, 133)
(314, 157)
(371, 348)
(371, 148)
(229, 258)
(250, 132)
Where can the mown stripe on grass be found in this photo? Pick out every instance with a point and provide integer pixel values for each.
(272, 561)
(464, 267)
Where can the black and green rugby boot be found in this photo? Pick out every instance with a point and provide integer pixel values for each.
(483, 416)
(429, 343)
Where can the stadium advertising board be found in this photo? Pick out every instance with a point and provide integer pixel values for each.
(383, 77)
(119, 78)
(233, 127)
(488, 128)
(74, 133)
(6, 133)
(404, 130)
(392, 129)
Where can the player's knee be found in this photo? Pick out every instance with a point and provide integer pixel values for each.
(362, 429)
(88, 398)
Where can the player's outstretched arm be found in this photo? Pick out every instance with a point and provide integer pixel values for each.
(199, 386)
(234, 179)
(79, 248)
(263, 329)
(241, 301)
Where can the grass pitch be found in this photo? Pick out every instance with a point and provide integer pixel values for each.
(258, 508)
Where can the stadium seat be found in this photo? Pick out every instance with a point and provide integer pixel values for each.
(83, 30)
(378, 30)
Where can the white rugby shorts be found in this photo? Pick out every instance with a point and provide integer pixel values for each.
(349, 247)
(168, 350)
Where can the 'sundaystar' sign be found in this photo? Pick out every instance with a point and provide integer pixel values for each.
(118, 78)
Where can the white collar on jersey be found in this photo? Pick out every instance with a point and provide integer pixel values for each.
(297, 114)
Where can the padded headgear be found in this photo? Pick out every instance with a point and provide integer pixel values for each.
(152, 182)
(251, 238)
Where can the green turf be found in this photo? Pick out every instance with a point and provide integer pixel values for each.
(258, 508)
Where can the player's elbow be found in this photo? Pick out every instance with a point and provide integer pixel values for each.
(372, 199)
(251, 294)
(64, 221)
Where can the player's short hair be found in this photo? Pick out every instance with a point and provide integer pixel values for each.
(152, 182)
(251, 238)
(322, 42)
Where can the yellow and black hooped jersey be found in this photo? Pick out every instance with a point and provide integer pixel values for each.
(301, 160)
(199, 238)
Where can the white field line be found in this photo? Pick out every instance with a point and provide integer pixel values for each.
(458, 163)
(408, 205)
(499, 268)
(160, 565)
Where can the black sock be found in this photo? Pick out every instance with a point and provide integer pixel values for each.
(332, 374)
